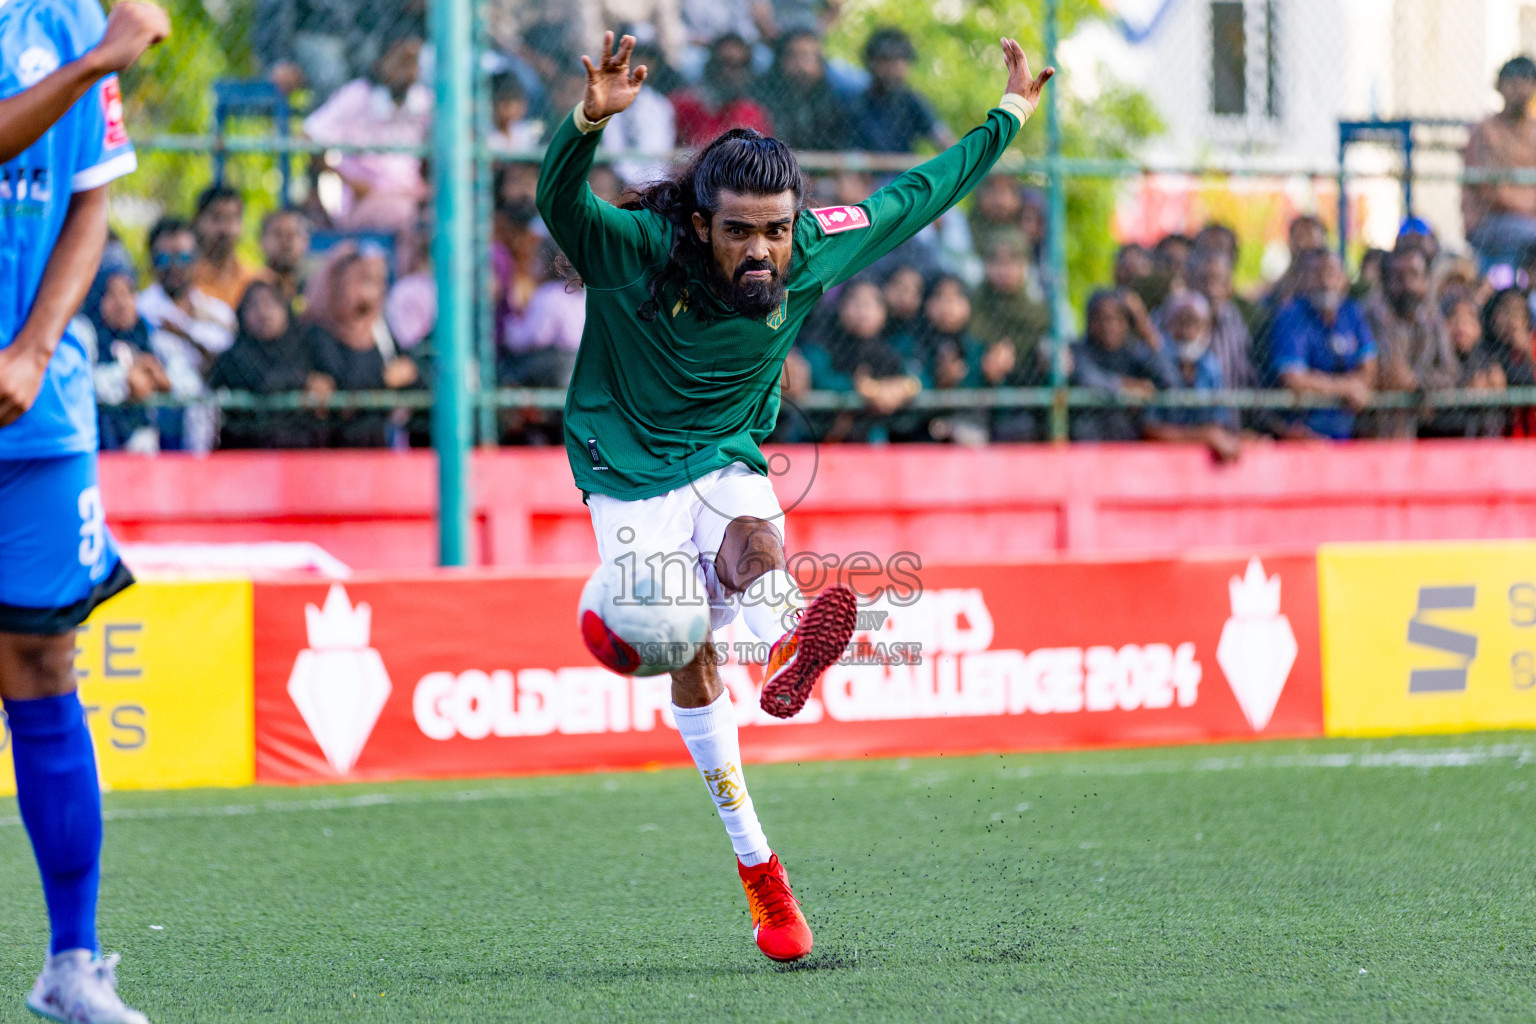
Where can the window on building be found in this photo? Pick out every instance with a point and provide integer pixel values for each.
(1229, 58)
(1233, 91)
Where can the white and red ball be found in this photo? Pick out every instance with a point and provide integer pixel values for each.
(635, 629)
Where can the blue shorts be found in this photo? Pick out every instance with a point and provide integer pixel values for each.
(58, 560)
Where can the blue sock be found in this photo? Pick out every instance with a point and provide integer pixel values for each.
(61, 807)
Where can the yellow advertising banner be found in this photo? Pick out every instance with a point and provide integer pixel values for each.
(1423, 638)
(165, 676)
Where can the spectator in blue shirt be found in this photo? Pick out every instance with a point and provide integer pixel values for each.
(1322, 345)
(889, 117)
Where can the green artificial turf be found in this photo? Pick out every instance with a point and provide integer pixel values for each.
(1330, 880)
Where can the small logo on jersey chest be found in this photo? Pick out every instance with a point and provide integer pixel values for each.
(35, 64)
(837, 219)
(781, 314)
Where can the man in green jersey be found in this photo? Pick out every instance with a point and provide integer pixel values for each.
(695, 292)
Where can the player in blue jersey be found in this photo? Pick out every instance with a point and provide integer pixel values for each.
(62, 140)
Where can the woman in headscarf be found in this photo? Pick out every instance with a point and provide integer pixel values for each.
(350, 347)
(267, 358)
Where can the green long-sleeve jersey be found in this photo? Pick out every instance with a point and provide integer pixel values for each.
(656, 404)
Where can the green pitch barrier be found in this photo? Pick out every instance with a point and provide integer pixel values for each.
(1328, 880)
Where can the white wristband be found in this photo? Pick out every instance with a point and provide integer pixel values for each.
(588, 127)
(1012, 102)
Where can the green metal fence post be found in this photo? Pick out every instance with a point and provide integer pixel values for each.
(452, 264)
(1056, 233)
(485, 331)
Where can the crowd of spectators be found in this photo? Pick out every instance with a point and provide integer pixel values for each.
(344, 299)
(1416, 320)
(302, 324)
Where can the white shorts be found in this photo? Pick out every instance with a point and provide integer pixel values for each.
(689, 522)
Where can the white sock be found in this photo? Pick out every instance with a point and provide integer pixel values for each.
(710, 733)
(771, 604)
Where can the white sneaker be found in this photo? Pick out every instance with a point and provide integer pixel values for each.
(77, 987)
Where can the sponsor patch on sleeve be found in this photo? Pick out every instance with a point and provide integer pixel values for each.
(837, 219)
(112, 113)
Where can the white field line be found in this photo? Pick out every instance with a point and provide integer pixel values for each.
(1516, 755)
(297, 806)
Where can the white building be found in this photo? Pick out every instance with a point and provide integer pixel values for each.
(1264, 83)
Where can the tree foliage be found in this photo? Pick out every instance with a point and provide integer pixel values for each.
(960, 69)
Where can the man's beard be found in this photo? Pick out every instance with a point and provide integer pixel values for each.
(1404, 305)
(755, 300)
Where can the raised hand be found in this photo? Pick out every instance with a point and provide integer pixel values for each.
(132, 27)
(611, 85)
(1019, 80)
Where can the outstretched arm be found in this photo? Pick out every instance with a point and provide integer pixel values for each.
(918, 197)
(132, 27)
(608, 247)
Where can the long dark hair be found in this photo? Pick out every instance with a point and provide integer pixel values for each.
(740, 160)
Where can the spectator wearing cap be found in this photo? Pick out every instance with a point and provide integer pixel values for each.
(219, 271)
(389, 107)
(806, 112)
(723, 98)
(1322, 345)
(889, 116)
(1500, 217)
(1123, 355)
(1413, 350)
(1187, 324)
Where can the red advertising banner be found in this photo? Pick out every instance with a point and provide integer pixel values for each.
(485, 674)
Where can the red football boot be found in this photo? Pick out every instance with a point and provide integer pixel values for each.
(777, 924)
(799, 659)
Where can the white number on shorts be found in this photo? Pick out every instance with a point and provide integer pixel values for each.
(93, 527)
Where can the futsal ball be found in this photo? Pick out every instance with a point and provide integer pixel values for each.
(634, 629)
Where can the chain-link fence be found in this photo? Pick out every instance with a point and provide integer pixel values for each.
(1147, 270)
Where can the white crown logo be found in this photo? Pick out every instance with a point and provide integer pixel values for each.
(338, 626)
(339, 684)
(1258, 646)
(1254, 596)
(839, 216)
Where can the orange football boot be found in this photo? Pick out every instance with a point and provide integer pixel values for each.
(777, 924)
(799, 658)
